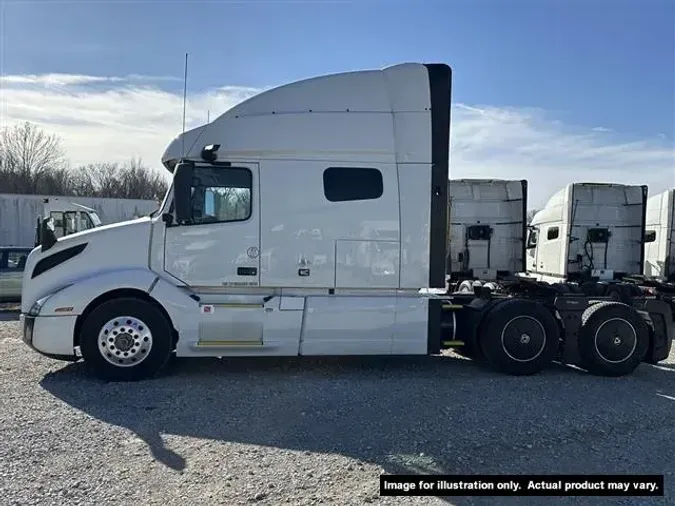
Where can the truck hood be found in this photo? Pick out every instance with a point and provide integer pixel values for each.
(76, 256)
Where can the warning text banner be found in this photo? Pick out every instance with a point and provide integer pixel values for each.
(521, 485)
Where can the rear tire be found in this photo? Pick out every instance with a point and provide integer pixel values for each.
(126, 339)
(613, 339)
(620, 293)
(519, 337)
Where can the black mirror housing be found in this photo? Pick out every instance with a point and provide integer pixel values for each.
(47, 235)
(182, 183)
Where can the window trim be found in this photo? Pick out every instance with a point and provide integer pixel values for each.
(223, 167)
(556, 230)
(342, 168)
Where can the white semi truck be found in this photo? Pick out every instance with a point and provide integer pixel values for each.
(659, 258)
(601, 239)
(309, 220)
(588, 232)
(20, 213)
(488, 224)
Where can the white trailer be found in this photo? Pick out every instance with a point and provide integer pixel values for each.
(20, 213)
(307, 220)
(488, 224)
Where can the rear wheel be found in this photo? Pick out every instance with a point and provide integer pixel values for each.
(613, 339)
(126, 339)
(620, 292)
(519, 337)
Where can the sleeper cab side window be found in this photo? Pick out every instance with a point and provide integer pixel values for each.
(343, 184)
(552, 233)
(650, 235)
(221, 195)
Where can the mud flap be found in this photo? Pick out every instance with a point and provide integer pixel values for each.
(570, 310)
(662, 328)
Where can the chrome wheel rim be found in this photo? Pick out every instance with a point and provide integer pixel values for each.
(125, 341)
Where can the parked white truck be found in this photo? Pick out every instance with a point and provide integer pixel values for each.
(19, 215)
(488, 224)
(307, 220)
(600, 238)
(588, 232)
(660, 236)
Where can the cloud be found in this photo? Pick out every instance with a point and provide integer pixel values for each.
(108, 118)
(516, 143)
(76, 79)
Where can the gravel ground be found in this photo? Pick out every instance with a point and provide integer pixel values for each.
(304, 432)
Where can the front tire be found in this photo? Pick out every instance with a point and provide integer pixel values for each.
(519, 337)
(126, 339)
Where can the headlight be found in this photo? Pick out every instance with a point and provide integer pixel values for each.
(37, 305)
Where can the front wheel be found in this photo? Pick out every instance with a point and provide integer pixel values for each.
(126, 339)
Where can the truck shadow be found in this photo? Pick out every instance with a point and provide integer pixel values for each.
(407, 415)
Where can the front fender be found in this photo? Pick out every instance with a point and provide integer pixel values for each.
(72, 300)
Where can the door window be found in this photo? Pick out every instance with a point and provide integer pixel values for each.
(57, 221)
(85, 221)
(70, 222)
(221, 195)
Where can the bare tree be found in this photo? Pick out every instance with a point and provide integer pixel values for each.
(97, 180)
(33, 162)
(132, 180)
(140, 182)
(29, 157)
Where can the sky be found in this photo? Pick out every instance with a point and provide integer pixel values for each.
(552, 91)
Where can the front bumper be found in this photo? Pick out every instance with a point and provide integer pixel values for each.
(27, 325)
(49, 336)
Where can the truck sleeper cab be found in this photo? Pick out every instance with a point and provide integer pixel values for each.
(306, 220)
(488, 223)
(601, 239)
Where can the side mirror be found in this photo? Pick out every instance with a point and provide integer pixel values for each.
(531, 238)
(182, 183)
(47, 235)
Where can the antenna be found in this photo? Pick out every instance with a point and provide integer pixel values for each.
(208, 115)
(184, 100)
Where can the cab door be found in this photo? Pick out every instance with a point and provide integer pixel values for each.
(220, 246)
